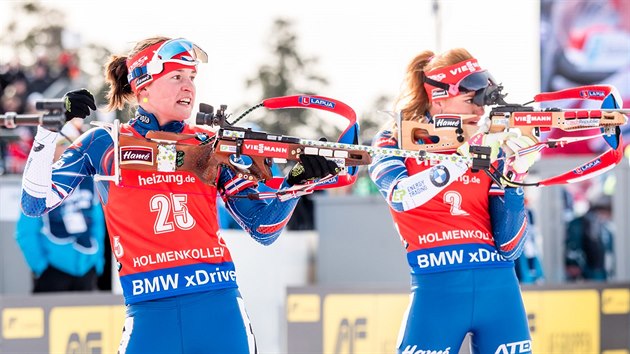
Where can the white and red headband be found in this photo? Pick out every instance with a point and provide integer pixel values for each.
(161, 58)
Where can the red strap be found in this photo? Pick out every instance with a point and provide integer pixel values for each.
(592, 168)
(348, 136)
(314, 102)
(589, 92)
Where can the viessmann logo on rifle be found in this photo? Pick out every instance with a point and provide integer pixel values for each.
(268, 149)
(136, 155)
(447, 122)
(533, 118)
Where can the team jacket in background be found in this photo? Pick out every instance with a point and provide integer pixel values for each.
(70, 238)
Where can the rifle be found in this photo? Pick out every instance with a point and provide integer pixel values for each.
(449, 131)
(53, 117)
(251, 153)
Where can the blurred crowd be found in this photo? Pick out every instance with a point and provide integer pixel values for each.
(20, 87)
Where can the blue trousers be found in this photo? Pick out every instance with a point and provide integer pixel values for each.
(446, 306)
(207, 322)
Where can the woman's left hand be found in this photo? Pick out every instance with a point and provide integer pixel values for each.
(310, 168)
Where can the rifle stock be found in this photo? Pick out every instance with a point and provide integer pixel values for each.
(529, 121)
(204, 160)
(251, 158)
(446, 133)
(194, 158)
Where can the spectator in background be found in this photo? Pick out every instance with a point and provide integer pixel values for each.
(65, 248)
(19, 145)
(15, 144)
(589, 253)
(17, 150)
(41, 77)
(69, 63)
(14, 97)
(10, 73)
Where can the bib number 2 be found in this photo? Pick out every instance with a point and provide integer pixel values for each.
(455, 200)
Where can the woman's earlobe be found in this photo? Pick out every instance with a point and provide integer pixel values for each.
(143, 92)
(439, 105)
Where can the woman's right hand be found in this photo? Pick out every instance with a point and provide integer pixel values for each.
(491, 140)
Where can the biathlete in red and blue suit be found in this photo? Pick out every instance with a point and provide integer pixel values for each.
(460, 230)
(176, 272)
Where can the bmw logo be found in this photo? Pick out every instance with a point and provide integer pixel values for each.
(439, 176)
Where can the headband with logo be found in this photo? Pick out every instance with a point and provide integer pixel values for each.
(161, 58)
(450, 81)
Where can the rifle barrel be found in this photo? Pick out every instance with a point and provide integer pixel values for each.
(421, 154)
(13, 120)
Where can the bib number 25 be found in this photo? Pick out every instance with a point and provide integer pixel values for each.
(171, 212)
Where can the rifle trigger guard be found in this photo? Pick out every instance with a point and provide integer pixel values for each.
(536, 132)
(241, 162)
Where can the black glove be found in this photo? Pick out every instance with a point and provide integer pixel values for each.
(78, 103)
(311, 167)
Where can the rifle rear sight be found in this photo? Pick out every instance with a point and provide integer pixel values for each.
(206, 116)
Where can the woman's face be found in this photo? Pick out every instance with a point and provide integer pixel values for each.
(461, 104)
(171, 97)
